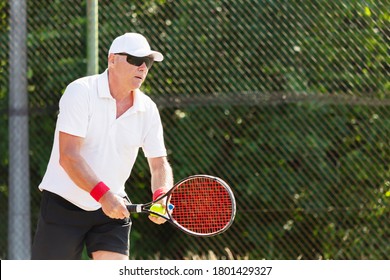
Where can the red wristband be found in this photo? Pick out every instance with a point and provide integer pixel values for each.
(99, 190)
(159, 192)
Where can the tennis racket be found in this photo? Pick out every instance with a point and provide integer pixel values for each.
(199, 205)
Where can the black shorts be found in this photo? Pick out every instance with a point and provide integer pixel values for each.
(64, 229)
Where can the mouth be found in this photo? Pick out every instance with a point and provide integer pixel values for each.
(138, 77)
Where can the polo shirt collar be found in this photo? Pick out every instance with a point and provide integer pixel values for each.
(103, 88)
(104, 92)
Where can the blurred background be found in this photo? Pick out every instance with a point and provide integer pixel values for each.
(287, 101)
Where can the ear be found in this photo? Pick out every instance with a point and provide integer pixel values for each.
(111, 58)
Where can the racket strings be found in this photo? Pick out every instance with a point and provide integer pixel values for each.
(202, 205)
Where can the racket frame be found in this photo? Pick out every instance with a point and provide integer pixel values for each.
(145, 208)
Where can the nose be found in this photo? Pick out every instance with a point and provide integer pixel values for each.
(143, 66)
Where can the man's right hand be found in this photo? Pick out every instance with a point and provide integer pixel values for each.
(114, 206)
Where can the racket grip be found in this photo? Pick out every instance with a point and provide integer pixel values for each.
(134, 208)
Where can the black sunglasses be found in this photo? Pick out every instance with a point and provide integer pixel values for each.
(138, 61)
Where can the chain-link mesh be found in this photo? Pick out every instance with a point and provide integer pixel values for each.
(288, 101)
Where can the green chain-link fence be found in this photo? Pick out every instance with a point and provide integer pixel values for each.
(288, 101)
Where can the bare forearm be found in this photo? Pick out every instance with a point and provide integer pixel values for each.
(80, 172)
(162, 174)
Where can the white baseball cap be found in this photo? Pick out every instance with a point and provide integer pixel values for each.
(134, 44)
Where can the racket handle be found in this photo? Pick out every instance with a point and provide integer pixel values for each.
(137, 208)
(134, 208)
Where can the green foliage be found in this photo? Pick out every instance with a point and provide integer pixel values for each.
(332, 46)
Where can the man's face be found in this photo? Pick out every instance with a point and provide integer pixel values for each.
(131, 76)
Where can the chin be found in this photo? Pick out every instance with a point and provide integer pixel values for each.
(137, 85)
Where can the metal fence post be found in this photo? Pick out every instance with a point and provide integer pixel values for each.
(92, 37)
(19, 237)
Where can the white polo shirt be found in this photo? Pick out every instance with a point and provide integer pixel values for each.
(111, 145)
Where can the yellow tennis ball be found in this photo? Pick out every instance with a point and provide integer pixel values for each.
(158, 208)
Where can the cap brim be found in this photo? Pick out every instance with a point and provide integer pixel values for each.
(157, 56)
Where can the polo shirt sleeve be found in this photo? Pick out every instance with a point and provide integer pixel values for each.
(73, 110)
(153, 145)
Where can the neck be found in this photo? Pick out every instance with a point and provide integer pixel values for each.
(124, 103)
(119, 90)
